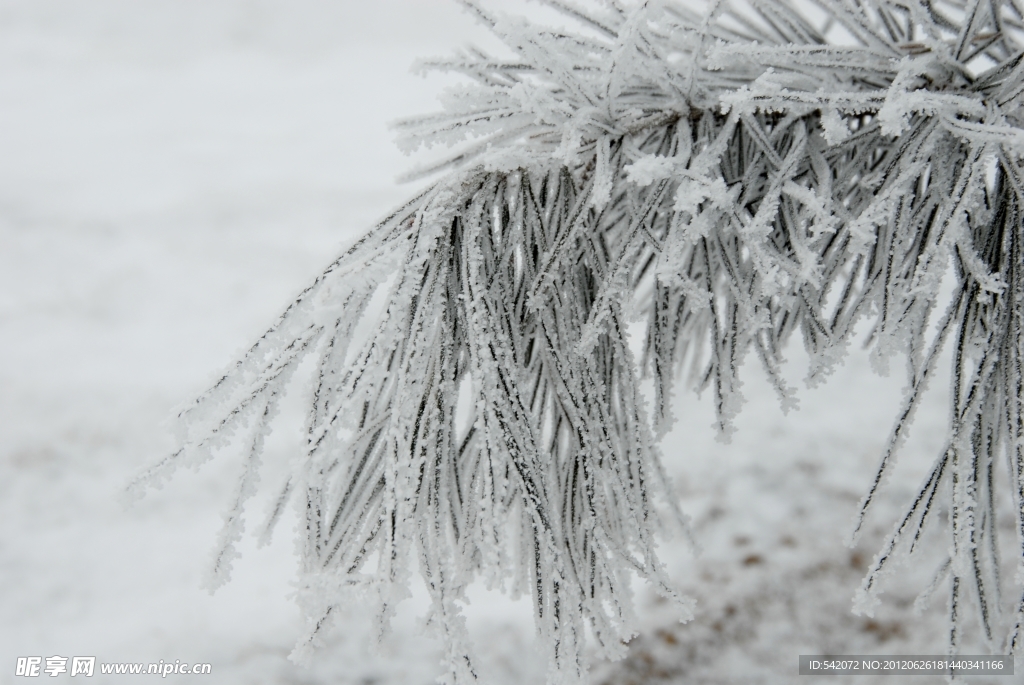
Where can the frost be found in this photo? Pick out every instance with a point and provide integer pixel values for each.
(650, 168)
(693, 192)
(754, 183)
(834, 127)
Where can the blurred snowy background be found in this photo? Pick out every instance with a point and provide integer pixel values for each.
(171, 173)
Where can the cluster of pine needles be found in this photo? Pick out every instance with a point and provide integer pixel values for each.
(729, 176)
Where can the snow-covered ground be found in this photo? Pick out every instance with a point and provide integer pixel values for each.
(171, 173)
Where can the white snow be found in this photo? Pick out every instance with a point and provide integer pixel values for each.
(171, 173)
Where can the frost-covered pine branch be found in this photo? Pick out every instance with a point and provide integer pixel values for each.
(737, 174)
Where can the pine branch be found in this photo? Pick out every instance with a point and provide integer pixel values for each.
(740, 178)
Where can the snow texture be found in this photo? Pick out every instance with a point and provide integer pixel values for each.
(477, 404)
